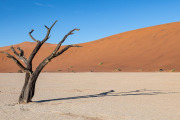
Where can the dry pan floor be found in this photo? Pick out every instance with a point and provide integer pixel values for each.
(93, 96)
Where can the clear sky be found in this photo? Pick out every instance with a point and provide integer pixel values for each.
(95, 18)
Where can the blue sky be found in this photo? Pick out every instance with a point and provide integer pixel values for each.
(95, 18)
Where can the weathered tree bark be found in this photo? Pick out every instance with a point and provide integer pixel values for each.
(31, 76)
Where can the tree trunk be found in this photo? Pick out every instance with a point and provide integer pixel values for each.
(21, 97)
(28, 89)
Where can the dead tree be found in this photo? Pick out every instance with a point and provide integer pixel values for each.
(31, 76)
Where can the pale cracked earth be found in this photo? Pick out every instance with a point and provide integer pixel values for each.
(93, 96)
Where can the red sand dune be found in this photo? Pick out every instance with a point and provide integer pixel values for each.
(147, 49)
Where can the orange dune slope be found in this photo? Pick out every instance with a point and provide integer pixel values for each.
(147, 49)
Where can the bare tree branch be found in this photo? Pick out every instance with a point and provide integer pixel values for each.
(64, 38)
(55, 53)
(35, 50)
(32, 36)
(64, 49)
(47, 35)
(46, 27)
(21, 51)
(16, 61)
(53, 25)
(40, 43)
(20, 55)
(48, 32)
(50, 57)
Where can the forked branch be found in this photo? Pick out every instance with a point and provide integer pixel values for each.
(64, 49)
(32, 36)
(64, 38)
(39, 43)
(20, 55)
(48, 32)
(16, 61)
(55, 53)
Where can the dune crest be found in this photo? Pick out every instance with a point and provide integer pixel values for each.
(147, 49)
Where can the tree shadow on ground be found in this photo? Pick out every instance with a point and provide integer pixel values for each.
(113, 93)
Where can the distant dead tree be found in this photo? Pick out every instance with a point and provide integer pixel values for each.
(31, 76)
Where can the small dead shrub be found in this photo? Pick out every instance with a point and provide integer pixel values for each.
(101, 63)
(20, 71)
(117, 70)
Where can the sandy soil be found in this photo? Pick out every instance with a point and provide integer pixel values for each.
(93, 96)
